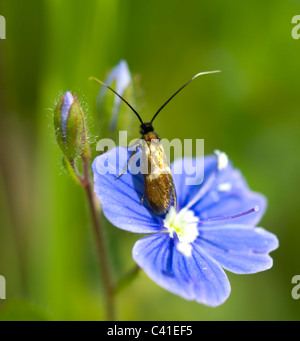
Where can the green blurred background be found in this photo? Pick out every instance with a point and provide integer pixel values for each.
(250, 110)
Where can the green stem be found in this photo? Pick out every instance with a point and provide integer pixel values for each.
(102, 253)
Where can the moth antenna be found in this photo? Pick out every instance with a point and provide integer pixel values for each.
(124, 100)
(183, 86)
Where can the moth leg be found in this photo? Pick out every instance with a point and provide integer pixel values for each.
(136, 143)
(130, 159)
(174, 198)
(142, 200)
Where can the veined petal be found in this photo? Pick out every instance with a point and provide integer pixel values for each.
(120, 198)
(186, 192)
(197, 277)
(222, 193)
(237, 248)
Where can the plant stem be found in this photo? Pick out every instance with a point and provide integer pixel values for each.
(102, 254)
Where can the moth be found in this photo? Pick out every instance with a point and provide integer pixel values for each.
(159, 185)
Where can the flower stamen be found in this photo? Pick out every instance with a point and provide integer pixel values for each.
(254, 209)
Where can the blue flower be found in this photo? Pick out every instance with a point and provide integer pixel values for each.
(212, 229)
(121, 75)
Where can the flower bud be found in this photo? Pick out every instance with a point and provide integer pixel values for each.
(70, 127)
(112, 115)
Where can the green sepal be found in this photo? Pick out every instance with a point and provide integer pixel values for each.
(69, 168)
(125, 281)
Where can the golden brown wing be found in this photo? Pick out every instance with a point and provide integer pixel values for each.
(159, 185)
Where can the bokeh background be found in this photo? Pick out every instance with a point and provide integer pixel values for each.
(251, 111)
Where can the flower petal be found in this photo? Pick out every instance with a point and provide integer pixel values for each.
(197, 277)
(120, 198)
(181, 169)
(122, 76)
(237, 248)
(222, 193)
(65, 112)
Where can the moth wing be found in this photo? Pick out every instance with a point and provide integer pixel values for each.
(159, 185)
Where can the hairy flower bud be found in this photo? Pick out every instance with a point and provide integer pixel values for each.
(70, 127)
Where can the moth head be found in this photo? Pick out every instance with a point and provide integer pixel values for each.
(146, 128)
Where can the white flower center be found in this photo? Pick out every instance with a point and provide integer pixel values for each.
(184, 224)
